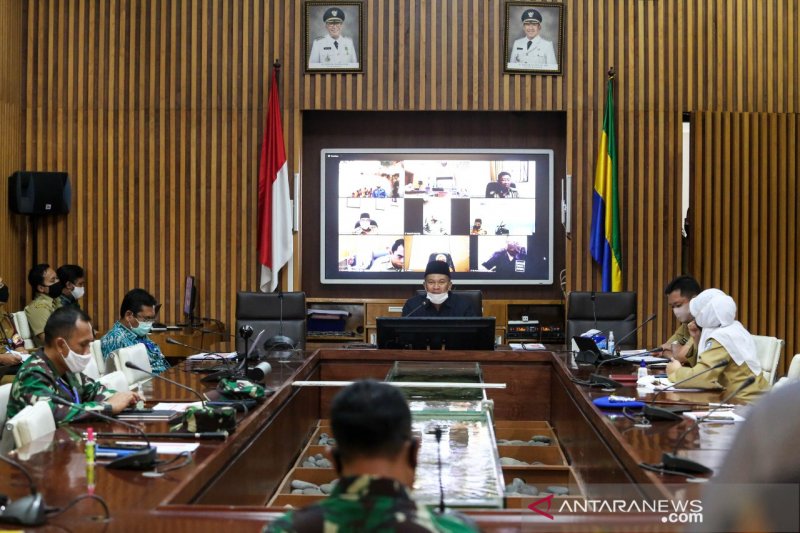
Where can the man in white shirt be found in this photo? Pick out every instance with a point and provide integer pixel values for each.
(333, 50)
(532, 50)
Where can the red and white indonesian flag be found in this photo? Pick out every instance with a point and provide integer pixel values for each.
(274, 208)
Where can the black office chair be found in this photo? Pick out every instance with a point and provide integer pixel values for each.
(474, 296)
(606, 311)
(262, 311)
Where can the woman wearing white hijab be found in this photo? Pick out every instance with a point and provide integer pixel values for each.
(721, 337)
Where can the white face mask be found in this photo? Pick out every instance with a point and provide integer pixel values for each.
(438, 299)
(682, 313)
(76, 362)
(77, 292)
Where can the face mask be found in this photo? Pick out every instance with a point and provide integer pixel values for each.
(682, 313)
(76, 362)
(437, 298)
(77, 292)
(4, 294)
(54, 290)
(143, 328)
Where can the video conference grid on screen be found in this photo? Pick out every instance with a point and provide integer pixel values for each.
(487, 214)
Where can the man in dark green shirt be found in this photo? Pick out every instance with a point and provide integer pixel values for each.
(375, 457)
(56, 371)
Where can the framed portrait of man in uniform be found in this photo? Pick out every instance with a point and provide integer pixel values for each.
(534, 37)
(333, 36)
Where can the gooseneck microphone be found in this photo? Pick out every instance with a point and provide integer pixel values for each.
(134, 366)
(219, 323)
(280, 340)
(606, 382)
(170, 340)
(25, 511)
(213, 410)
(618, 343)
(671, 461)
(438, 434)
(423, 305)
(650, 411)
(141, 459)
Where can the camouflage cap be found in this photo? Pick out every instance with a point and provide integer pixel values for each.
(200, 419)
(240, 389)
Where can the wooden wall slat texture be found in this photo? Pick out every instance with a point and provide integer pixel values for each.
(12, 127)
(162, 134)
(745, 171)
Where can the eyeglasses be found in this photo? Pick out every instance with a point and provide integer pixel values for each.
(145, 318)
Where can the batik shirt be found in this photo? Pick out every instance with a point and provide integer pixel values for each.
(38, 379)
(121, 337)
(365, 503)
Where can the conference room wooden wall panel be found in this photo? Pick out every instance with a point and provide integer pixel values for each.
(161, 176)
(746, 172)
(718, 55)
(12, 83)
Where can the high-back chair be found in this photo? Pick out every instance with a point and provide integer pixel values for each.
(262, 311)
(115, 381)
(97, 355)
(5, 394)
(136, 354)
(24, 329)
(33, 422)
(606, 311)
(769, 351)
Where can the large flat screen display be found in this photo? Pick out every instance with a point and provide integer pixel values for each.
(487, 213)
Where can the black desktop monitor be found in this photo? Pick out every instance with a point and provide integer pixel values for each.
(189, 299)
(451, 333)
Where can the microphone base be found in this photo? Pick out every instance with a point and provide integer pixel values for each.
(141, 460)
(222, 374)
(279, 341)
(597, 379)
(25, 511)
(659, 413)
(683, 465)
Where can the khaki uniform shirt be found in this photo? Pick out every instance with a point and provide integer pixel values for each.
(728, 377)
(37, 312)
(682, 337)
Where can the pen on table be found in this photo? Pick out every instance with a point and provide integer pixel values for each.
(90, 460)
(219, 435)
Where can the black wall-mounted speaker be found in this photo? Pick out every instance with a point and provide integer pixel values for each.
(39, 193)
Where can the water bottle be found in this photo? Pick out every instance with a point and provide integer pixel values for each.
(642, 372)
(611, 343)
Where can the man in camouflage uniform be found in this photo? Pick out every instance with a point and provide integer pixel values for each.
(681, 346)
(375, 457)
(56, 371)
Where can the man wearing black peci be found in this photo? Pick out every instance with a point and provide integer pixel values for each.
(438, 301)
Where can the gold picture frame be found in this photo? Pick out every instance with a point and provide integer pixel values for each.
(333, 36)
(534, 38)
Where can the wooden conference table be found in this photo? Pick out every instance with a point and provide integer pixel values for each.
(230, 482)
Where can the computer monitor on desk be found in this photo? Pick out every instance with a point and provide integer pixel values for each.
(450, 333)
